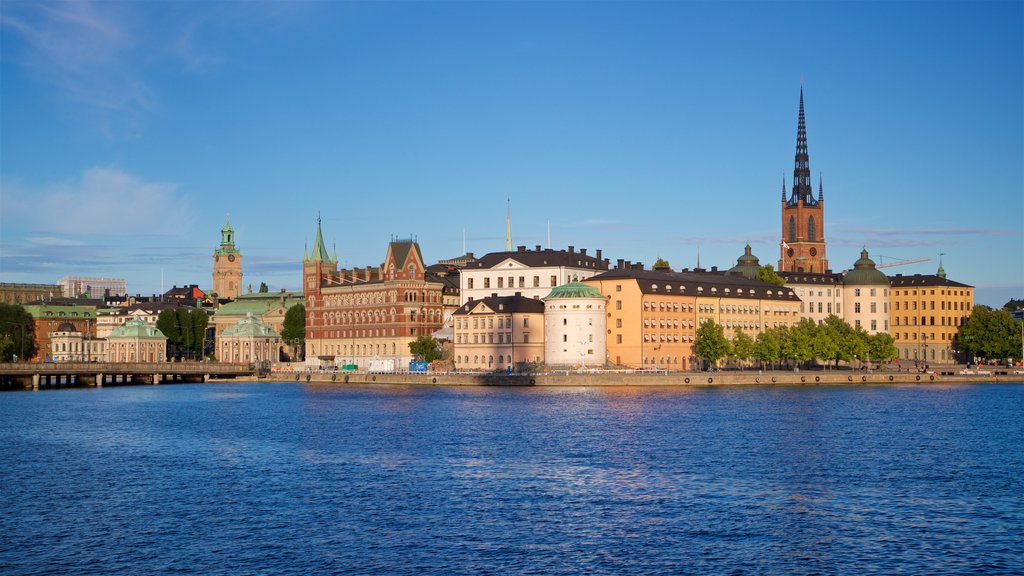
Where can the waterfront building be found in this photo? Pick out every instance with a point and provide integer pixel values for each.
(109, 319)
(248, 341)
(355, 316)
(574, 326)
(652, 316)
(926, 314)
(531, 273)
(269, 307)
(499, 333)
(821, 294)
(68, 344)
(227, 265)
(866, 296)
(802, 248)
(92, 287)
(49, 318)
(16, 293)
(136, 341)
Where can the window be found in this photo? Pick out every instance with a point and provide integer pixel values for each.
(810, 229)
(536, 281)
(618, 304)
(522, 282)
(554, 280)
(874, 308)
(501, 282)
(618, 287)
(856, 308)
(565, 337)
(872, 292)
(856, 292)
(618, 338)
(792, 229)
(874, 325)
(487, 282)
(526, 322)
(618, 322)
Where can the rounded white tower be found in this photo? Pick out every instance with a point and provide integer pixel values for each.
(574, 326)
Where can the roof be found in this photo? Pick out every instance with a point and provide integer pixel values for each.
(259, 303)
(698, 284)
(136, 328)
(811, 277)
(400, 250)
(901, 281)
(864, 273)
(250, 326)
(503, 304)
(747, 265)
(43, 311)
(537, 258)
(319, 249)
(574, 290)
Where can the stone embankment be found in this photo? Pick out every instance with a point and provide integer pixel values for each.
(749, 378)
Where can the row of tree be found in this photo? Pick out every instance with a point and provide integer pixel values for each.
(991, 334)
(17, 333)
(832, 341)
(185, 329)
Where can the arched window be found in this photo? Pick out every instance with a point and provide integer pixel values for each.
(810, 229)
(792, 229)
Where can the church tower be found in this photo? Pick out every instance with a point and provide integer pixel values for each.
(227, 265)
(802, 248)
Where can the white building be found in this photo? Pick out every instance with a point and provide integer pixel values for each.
(249, 340)
(531, 273)
(91, 287)
(866, 296)
(574, 326)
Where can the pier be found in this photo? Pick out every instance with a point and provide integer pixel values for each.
(35, 376)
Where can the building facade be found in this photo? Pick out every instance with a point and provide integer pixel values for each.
(227, 265)
(531, 273)
(574, 326)
(802, 248)
(50, 318)
(136, 341)
(926, 313)
(360, 315)
(866, 296)
(499, 333)
(248, 341)
(15, 293)
(69, 345)
(92, 287)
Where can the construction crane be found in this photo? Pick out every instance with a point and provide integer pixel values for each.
(901, 262)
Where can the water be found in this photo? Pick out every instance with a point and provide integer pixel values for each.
(293, 479)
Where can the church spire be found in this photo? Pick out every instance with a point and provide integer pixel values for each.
(942, 271)
(821, 191)
(802, 190)
(508, 225)
(783, 186)
(319, 249)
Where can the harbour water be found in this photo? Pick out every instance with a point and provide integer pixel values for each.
(289, 478)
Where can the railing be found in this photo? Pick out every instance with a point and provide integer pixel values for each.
(124, 368)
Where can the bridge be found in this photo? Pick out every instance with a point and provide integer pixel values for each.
(35, 375)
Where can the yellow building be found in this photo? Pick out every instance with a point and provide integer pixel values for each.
(653, 315)
(926, 311)
(499, 332)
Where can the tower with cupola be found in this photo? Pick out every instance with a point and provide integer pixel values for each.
(802, 248)
(227, 265)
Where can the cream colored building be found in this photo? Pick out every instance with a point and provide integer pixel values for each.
(866, 296)
(498, 333)
(531, 273)
(249, 340)
(136, 341)
(926, 314)
(68, 344)
(574, 326)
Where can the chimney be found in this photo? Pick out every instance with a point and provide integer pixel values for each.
(619, 264)
(538, 248)
(597, 254)
(714, 268)
(518, 294)
(521, 248)
(572, 249)
(469, 255)
(494, 294)
(583, 251)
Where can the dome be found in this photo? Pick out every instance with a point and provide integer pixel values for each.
(66, 327)
(250, 326)
(574, 290)
(747, 265)
(136, 328)
(864, 273)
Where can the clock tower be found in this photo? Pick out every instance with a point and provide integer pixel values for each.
(227, 265)
(802, 248)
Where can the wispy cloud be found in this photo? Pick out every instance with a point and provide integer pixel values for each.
(102, 201)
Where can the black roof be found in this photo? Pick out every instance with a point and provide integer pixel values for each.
(504, 304)
(687, 283)
(901, 281)
(543, 257)
(812, 277)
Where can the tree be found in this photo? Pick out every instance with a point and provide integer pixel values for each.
(742, 346)
(844, 338)
(825, 345)
(17, 327)
(264, 288)
(294, 330)
(797, 346)
(768, 346)
(167, 323)
(185, 329)
(425, 348)
(767, 274)
(662, 265)
(710, 342)
(881, 347)
(990, 335)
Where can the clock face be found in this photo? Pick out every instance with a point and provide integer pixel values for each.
(814, 251)
(231, 258)
(789, 252)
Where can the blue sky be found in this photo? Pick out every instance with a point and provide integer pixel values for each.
(129, 130)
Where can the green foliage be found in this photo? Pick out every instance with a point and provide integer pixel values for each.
(710, 342)
(425, 348)
(991, 335)
(1013, 304)
(662, 264)
(767, 274)
(185, 329)
(264, 288)
(742, 346)
(768, 346)
(881, 347)
(826, 342)
(167, 323)
(798, 345)
(294, 324)
(16, 327)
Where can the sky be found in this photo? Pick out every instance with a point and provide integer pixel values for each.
(129, 131)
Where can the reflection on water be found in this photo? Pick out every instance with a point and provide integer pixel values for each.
(294, 479)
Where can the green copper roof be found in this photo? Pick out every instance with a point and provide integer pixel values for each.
(319, 249)
(250, 326)
(258, 303)
(574, 290)
(747, 265)
(865, 273)
(227, 240)
(56, 311)
(137, 328)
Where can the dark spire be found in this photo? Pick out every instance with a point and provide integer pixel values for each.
(821, 191)
(783, 186)
(802, 190)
